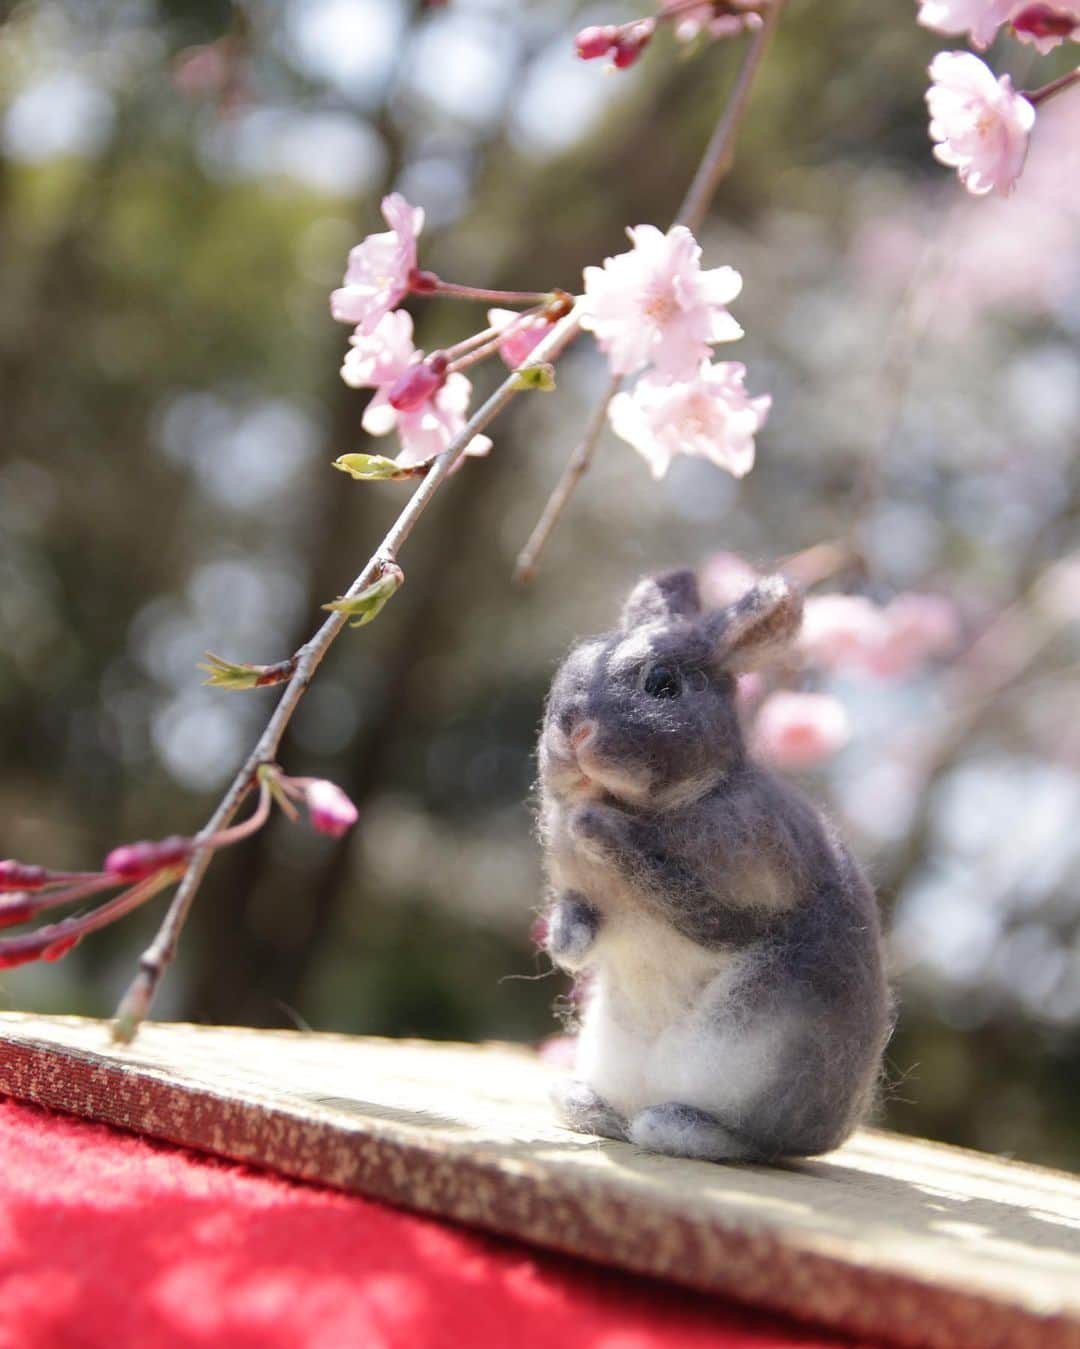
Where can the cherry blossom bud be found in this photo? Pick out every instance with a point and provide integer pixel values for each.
(418, 384)
(16, 909)
(596, 41)
(1044, 21)
(516, 348)
(330, 809)
(799, 730)
(631, 43)
(133, 861)
(18, 876)
(60, 948)
(522, 334)
(9, 959)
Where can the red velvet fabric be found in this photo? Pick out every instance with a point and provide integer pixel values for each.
(111, 1240)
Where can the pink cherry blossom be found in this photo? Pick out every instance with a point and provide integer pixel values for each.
(708, 417)
(799, 730)
(330, 809)
(981, 19)
(378, 361)
(981, 125)
(377, 277)
(517, 346)
(1047, 26)
(841, 631)
(654, 304)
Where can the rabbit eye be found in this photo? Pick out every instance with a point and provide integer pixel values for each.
(663, 681)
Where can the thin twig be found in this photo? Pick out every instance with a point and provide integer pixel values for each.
(576, 467)
(719, 156)
(461, 292)
(1055, 87)
(716, 162)
(162, 950)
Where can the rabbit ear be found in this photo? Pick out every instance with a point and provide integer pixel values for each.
(669, 595)
(757, 628)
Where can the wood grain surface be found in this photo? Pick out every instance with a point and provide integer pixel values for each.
(900, 1240)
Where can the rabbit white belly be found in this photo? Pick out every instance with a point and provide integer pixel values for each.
(655, 1028)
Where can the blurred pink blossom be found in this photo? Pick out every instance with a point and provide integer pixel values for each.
(841, 630)
(379, 269)
(198, 72)
(850, 632)
(695, 19)
(979, 18)
(654, 304)
(981, 125)
(724, 578)
(1017, 255)
(518, 345)
(917, 627)
(799, 730)
(379, 361)
(707, 417)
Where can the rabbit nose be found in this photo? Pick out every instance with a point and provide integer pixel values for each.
(582, 734)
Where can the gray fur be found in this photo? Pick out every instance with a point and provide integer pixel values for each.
(572, 924)
(734, 943)
(584, 1111)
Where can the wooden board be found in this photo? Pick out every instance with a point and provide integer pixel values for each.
(894, 1238)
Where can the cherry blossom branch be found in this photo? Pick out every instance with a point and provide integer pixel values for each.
(576, 468)
(1048, 91)
(716, 163)
(427, 283)
(719, 156)
(161, 952)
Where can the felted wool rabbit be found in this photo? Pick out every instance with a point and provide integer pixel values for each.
(737, 1006)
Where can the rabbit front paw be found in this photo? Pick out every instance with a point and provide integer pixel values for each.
(572, 926)
(601, 832)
